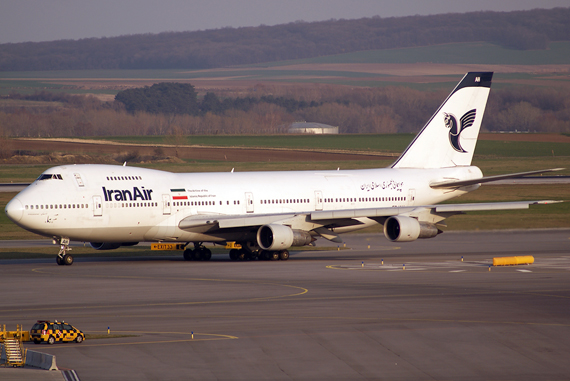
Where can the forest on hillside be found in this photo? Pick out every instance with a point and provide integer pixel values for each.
(271, 109)
(525, 30)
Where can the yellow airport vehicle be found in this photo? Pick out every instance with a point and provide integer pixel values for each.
(45, 331)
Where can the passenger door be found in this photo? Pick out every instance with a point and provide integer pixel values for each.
(97, 206)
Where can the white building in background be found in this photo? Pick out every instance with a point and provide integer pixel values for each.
(311, 128)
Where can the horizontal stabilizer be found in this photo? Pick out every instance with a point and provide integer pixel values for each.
(464, 183)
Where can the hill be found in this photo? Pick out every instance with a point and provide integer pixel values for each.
(522, 30)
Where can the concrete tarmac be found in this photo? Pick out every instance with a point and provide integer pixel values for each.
(352, 313)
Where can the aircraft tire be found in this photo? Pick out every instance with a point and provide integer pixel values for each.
(274, 256)
(241, 255)
(196, 255)
(59, 260)
(67, 260)
(187, 255)
(233, 254)
(206, 254)
(284, 255)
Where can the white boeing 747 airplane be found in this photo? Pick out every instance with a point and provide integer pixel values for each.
(268, 212)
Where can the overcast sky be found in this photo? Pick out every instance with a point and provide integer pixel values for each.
(47, 20)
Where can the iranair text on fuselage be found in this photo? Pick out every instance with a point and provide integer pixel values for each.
(127, 195)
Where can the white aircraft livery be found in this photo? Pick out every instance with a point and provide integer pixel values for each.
(268, 212)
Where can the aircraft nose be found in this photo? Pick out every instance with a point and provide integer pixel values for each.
(14, 210)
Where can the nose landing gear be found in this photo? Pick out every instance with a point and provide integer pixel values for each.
(63, 259)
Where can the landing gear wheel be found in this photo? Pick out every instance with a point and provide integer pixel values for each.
(274, 256)
(196, 255)
(284, 255)
(206, 254)
(63, 258)
(241, 254)
(265, 255)
(188, 253)
(234, 254)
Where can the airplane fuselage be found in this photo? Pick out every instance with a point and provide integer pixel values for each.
(105, 203)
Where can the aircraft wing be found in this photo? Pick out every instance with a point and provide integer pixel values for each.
(451, 183)
(342, 217)
(411, 210)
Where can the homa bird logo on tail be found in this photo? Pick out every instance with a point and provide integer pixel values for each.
(456, 129)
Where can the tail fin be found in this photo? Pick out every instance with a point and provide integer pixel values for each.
(449, 137)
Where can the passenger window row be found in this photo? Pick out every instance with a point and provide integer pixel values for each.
(199, 203)
(58, 206)
(366, 199)
(286, 201)
(124, 178)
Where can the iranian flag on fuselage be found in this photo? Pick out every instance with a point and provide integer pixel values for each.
(179, 194)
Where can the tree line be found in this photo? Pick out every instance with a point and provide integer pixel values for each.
(181, 98)
(224, 47)
(271, 109)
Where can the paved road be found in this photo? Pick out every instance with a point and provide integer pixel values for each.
(337, 314)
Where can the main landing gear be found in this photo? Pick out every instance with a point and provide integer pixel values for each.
(199, 253)
(63, 259)
(262, 255)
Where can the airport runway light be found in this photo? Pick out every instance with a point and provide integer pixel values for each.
(404, 266)
(382, 261)
(462, 258)
(192, 335)
(362, 263)
(108, 330)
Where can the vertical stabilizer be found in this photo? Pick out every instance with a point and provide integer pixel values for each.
(449, 137)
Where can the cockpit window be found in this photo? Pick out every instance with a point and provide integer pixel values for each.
(48, 176)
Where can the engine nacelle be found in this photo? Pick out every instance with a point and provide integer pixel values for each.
(110, 245)
(406, 229)
(275, 237)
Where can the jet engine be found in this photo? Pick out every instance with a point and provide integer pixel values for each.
(110, 245)
(406, 229)
(275, 237)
